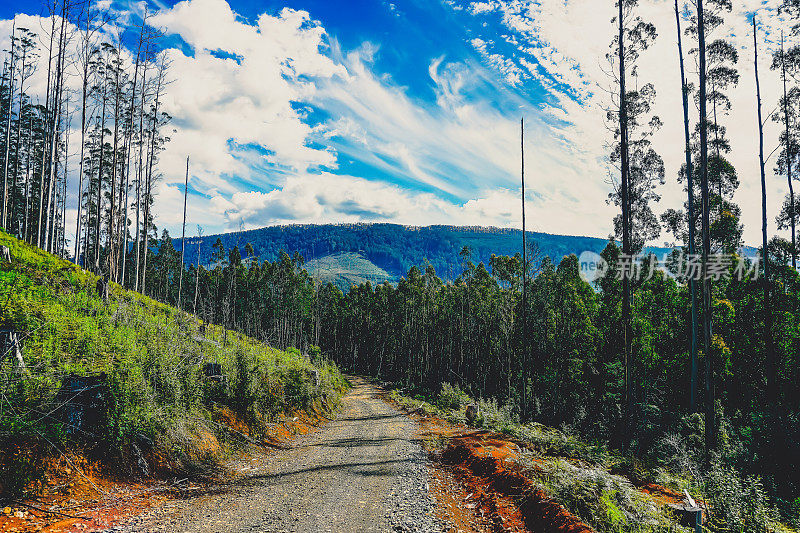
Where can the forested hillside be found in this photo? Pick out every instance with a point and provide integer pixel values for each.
(392, 247)
(685, 365)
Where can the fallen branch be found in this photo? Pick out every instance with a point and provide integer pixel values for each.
(49, 510)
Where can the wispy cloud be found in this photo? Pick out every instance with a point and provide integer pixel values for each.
(563, 44)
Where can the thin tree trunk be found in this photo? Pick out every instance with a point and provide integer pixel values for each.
(59, 89)
(771, 385)
(99, 216)
(112, 270)
(197, 269)
(524, 391)
(10, 207)
(626, 229)
(62, 227)
(793, 215)
(84, 94)
(8, 126)
(711, 424)
(140, 175)
(127, 168)
(46, 122)
(26, 222)
(690, 204)
(183, 231)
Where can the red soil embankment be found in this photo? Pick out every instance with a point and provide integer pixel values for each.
(481, 461)
(77, 494)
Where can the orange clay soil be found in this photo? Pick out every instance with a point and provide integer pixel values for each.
(485, 464)
(456, 506)
(79, 495)
(485, 461)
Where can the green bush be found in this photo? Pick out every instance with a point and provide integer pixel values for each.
(737, 503)
(452, 397)
(607, 502)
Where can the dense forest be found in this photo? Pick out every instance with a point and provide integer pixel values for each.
(696, 371)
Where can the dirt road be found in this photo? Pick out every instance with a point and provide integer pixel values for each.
(361, 472)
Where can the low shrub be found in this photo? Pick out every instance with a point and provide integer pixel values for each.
(737, 503)
(452, 397)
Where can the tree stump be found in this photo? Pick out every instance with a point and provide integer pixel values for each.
(472, 413)
(82, 405)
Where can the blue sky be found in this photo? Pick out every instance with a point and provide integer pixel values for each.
(408, 111)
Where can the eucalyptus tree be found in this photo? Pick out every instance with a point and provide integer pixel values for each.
(688, 171)
(710, 411)
(641, 168)
(156, 143)
(768, 339)
(787, 62)
(7, 133)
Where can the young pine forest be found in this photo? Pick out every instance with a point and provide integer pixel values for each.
(695, 375)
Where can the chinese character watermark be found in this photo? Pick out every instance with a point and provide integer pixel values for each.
(684, 267)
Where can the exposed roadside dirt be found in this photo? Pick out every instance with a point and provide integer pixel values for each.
(80, 495)
(486, 480)
(363, 471)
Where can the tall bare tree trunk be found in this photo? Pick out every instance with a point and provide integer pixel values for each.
(112, 269)
(183, 231)
(129, 142)
(789, 158)
(8, 125)
(26, 222)
(197, 270)
(710, 410)
(10, 207)
(153, 148)
(46, 123)
(100, 181)
(771, 381)
(81, 173)
(690, 204)
(525, 344)
(58, 93)
(626, 223)
(140, 175)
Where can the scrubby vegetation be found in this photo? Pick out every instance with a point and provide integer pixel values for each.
(601, 486)
(157, 406)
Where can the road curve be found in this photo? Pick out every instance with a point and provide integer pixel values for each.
(362, 472)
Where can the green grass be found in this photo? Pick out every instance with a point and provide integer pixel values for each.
(152, 356)
(347, 269)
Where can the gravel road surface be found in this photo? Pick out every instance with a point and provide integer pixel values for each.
(362, 471)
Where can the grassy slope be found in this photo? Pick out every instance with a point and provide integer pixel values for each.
(152, 355)
(347, 269)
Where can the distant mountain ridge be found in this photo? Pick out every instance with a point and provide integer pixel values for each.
(345, 253)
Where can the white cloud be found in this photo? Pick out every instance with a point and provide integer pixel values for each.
(566, 41)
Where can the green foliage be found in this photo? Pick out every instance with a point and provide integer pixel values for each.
(737, 503)
(153, 358)
(452, 397)
(608, 503)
